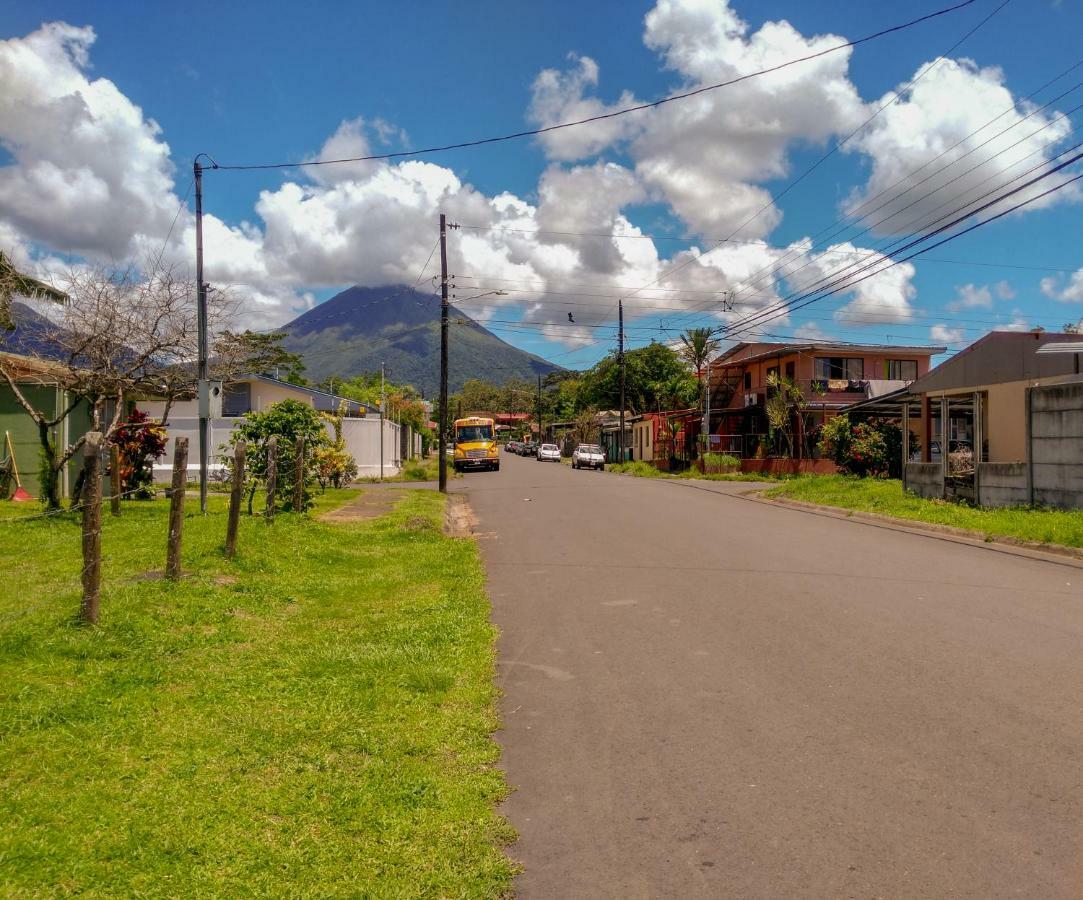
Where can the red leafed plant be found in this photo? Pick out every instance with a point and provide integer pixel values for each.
(140, 442)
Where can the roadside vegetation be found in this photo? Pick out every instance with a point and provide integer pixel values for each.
(313, 718)
(640, 469)
(887, 497)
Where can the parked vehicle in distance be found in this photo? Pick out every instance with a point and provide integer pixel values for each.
(588, 456)
(513, 447)
(509, 446)
(549, 453)
(449, 450)
(530, 448)
(475, 444)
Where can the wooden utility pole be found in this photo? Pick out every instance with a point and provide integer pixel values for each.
(176, 507)
(299, 475)
(540, 436)
(114, 480)
(444, 308)
(236, 490)
(620, 357)
(272, 477)
(92, 528)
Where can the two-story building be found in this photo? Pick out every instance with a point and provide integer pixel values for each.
(830, 376)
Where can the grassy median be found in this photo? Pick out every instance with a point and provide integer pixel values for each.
(312, 719)
(1049, 526)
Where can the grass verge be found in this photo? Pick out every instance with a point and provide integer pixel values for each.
(887, 497)
(641, 469)
(427, 469)
(312, 719)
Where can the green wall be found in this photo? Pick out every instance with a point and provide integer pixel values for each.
(24, 433)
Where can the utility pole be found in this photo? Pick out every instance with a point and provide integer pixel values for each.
(540, 437)
(201, 319)
(443, 354)
(382, 421)
(707, 411)
(620, 358)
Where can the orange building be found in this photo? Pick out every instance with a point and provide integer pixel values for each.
(830, 377)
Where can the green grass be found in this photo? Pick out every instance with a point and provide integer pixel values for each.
(887, 497)
(427, 469)
(311, 719)
(641, 469)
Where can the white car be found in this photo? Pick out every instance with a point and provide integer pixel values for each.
(588, 456)
(549, 453)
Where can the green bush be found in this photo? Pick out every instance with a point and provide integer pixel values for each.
(871, 448)
(720, 462)
(638, 468)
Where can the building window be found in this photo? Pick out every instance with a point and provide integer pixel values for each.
(839, 368)
(791, 370)
(237, 399)
(901, 370)
(772, 370)
(748, 380)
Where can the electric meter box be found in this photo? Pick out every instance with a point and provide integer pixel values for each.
(210, 399)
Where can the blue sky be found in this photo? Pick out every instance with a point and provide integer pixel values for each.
(256, 82)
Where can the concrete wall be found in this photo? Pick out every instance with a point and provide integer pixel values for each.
(362, 438)
(925, 480)
(1002, 484)
(1057, 445)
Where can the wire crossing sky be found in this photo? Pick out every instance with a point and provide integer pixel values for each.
(778, 168)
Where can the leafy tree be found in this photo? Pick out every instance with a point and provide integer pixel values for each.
(334, 465)
(784, 402)
(870, 448)
(14, 283)
(654, 378)
(287, 420)
(697, 346)
(243, 352)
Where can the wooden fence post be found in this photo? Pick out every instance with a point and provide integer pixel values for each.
(176, 507)
(272, 477)
(235, 499)
(114, 479)
(299, 476)
(92, 528)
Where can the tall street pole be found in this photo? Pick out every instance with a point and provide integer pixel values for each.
(707, 411)
(201, 316)
(443, 354)
(382, 404)
(540, 438)
(620, 357)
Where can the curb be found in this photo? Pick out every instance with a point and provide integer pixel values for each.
(1056, 553)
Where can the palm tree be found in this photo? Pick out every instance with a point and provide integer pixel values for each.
(14, 283)
(697, 346)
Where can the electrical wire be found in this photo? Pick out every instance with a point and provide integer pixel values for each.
(615, 113)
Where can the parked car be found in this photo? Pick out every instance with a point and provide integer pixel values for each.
(449, 451)
(549, 453)
(512, 446)
(530, 448)
(588, 456)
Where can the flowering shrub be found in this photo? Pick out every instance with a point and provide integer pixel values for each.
(872, 448)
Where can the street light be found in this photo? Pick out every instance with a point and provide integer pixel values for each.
(476, 296)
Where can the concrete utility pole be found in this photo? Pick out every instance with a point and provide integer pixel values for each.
(540, 438)
(620, 357)
(443, 423)
(201, 318)
(382, 402)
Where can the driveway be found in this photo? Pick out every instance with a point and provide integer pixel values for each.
(711, 697)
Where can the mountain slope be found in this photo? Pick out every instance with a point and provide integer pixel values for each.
(356, 330)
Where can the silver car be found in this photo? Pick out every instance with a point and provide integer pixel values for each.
(588, 456)
(549, 453)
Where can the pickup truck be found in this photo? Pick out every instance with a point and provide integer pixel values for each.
(588, 456)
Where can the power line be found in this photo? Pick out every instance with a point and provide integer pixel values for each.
(615, 113)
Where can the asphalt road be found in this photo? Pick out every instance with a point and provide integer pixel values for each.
(711, 697)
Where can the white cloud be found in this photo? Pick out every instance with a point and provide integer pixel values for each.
(955, 102)
(970, 296)
(1016, 324)
(1004, 290)
(948, 337)
(1070, 291)
(79, 147)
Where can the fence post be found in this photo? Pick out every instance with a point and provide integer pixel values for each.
(299, 476)
(176, 507)
(114, 479)
(272, 477)
(92, 528)
(235, 499)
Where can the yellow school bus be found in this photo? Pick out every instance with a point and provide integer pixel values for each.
(475, 444)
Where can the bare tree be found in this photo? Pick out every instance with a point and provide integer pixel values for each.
(116, 335)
